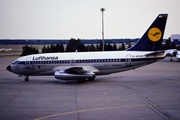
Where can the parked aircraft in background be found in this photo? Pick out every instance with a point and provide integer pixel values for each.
(6, 49)
(87, 65)
(173, 52)
(178, 55)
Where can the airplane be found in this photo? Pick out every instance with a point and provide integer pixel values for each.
(83, 66)
(173, 52)
(178, 55)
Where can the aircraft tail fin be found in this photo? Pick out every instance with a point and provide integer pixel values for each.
(152, 38)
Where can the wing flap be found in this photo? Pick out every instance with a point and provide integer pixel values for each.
(76, 69)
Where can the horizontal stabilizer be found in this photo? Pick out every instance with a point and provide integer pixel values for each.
(157, 53)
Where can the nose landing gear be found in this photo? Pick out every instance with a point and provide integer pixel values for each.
(26, 79)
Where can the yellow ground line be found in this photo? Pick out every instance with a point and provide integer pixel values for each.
(80, 111)
(95, 109)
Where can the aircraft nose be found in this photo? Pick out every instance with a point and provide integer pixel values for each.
(8, 68)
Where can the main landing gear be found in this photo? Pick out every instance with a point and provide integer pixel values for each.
(171, 58)
(82, 80)
(26, 79)
(92, 79)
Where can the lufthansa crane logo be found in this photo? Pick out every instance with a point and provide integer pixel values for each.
(154, 34)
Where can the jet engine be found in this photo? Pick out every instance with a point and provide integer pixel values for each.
(74, 73)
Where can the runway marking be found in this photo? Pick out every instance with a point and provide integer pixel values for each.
(153, 106)
(80, 111)
(97, 109)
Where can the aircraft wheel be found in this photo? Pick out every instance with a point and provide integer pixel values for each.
(81, 80)
(92, 79)
(26, 79)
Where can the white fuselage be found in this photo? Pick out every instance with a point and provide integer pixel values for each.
(100, 63)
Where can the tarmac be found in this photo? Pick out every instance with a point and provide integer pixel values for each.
(151, 92)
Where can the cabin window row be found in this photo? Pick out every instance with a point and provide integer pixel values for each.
(75, 61)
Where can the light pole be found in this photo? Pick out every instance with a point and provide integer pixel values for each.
(102, 10)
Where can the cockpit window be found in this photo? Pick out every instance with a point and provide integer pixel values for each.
(15, 62)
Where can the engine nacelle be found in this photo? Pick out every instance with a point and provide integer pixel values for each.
(68, 76)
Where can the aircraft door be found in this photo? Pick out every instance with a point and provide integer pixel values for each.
(27, 62)
(128, 59)
(72, 62)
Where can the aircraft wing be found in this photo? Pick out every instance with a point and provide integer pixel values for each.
(72, 72)
(170, 51)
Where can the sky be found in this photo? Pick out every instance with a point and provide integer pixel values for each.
(65, 19)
